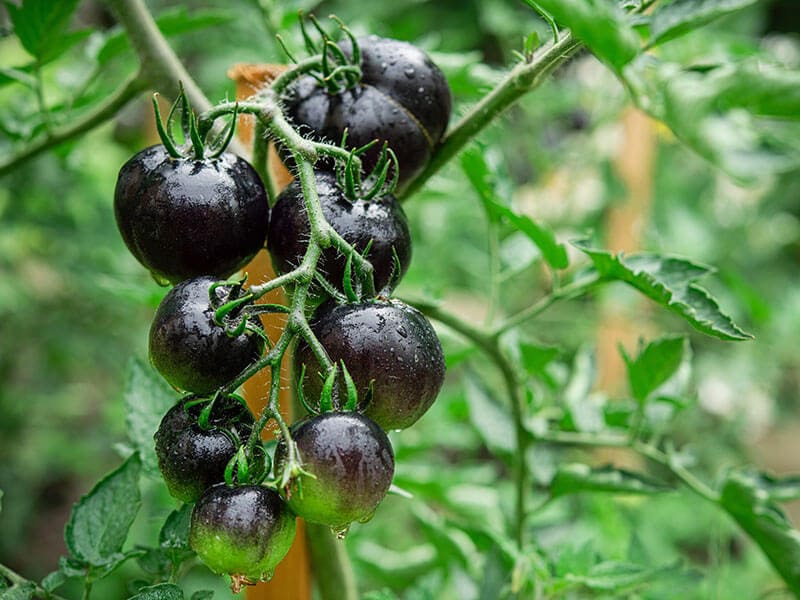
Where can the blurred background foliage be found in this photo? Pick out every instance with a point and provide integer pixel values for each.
(75, 306)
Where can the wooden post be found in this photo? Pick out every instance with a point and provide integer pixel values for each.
(292, 580)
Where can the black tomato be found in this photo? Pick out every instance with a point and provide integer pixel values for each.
(352, 461)
(380, 220)
(402, 99)
(192, 459)
(386, 344)
(242, 531)
(189, 349)
(184, 218)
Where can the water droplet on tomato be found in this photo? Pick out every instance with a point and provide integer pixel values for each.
(340, 533)
(409, 72)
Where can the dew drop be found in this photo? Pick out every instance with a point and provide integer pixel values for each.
(421, 90)
(340, 533)
(402, 331)
(409, 72)
(367, 518)
(384, 66)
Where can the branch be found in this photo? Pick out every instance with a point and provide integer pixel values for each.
(519, 81)
(159, 64)
(99, 114)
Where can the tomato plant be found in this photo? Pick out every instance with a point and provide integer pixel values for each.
(468, 399)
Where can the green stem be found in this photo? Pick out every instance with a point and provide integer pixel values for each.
(572, 290)
(98, 114)
(519, 81)
(158, 62)
(571, 438)
(333, 572)
(491, 347)
(17, 579)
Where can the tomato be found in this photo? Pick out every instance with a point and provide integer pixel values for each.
(189, 349)
(184, 218)
(387, 346)
(380, 220)
(403, 99)
(192, 459)
(352, 461)
(242, 531)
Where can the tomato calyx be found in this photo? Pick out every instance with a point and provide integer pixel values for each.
(193, 139)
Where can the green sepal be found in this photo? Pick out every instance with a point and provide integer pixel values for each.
(203, 419)
(166, 138)
(347, 280)
(352, 394)
(326, 397)
(221, 142)
(301, 395)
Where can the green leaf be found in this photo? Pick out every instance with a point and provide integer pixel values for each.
(750, 506)
(480, 176)
(41, 26)
(491, 419)
(601, 25)
(174, 21)
(668, 281)
(162, 591)
(202, 595)
(175, 531)
(53, 581)
(615, 576)
(576, 478)
(726, 113)
(100, 521)
(682, 16)
(19, 591)
(779, 489)
(1, 500)
(147, 399)
(655, 364)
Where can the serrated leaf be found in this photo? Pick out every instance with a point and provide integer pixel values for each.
(682, 16)
(147, 399)
(668, 281)
(174, 21)
(654, 365)
(576, 478)
(748, 504)
(477, 170)
(601, 25)
(491, 420)
(100, 521)
(161, 591)
(19, 591)
(40, 25)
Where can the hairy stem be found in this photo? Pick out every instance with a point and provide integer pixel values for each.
(519, 81)
(17, 579)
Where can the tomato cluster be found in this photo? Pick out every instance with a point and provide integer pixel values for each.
(194, 220)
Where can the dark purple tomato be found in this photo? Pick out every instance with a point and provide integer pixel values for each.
(352, 461)
(241, 531)
(386, 343)
(183, 218)
(402, 99)
(380, 220)
(189, 349)
(192, 459)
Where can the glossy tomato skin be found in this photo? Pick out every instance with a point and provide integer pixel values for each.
(192, 459)
(387, 343)
(403, 99)
(189, 349)
(245, 530)
(381, 220)
(184, 218)
(353, 462)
